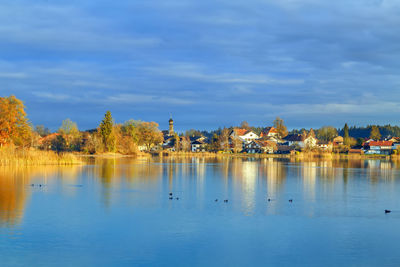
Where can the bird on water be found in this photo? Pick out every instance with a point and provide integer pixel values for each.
(290, 200)
(388, 211)
(226, 201)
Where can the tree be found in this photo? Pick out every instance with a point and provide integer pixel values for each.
(346, 136)
(42, 131)
(177, 142)
(59, 144)
(280, 127)
(237, 144)
(224, 139)
(70, 132)
(130, 128)
(311, 133)
(327, 133)
(14, 126)
(214, 145)
(149, 134)
(106, 131)
(245, 125)
(375, 134)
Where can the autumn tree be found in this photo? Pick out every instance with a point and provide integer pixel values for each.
(149, 135)
(70, 132)
(311, 133)
(237, 144)
(327, 133)
(106, 131)
(375, 134)
(14, 126)
(177, 142)
(130, 128)
(280, 127)
(185, 143)
(224, 139)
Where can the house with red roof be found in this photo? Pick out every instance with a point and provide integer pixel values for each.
(378, 147)
(246, 136)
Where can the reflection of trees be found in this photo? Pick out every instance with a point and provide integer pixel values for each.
(13, 195)
(15, 187)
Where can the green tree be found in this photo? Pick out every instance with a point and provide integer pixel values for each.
(106, 131)
(346, 136)
(245, 125)
(327, 133)
(375, 134)
(59, 144)
(280, 127)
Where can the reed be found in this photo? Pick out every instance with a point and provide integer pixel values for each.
(32, 157)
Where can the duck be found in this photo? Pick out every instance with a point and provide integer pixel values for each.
(171, 198)
(269, 199)
(216, 200)
(226, 201)
(388, 211)
(290, 200)
(177, 198)
(170, 194)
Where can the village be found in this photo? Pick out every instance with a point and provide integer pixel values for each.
(269, 141)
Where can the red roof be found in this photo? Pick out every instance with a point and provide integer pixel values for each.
(240, 132)
(380, 143)
(268, 130)
(48, 138)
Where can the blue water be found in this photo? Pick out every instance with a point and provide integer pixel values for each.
(118, 213)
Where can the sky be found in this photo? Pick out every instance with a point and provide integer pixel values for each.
(209, 63)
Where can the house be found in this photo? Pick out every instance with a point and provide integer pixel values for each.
(244, 135)
(198, 146)
(269, 132)
(274, 138)
(45, 142)
(325, 145)
(302, 141)
(260, 146)
(378, 147)
(337, 141)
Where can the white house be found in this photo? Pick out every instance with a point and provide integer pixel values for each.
(244, 135)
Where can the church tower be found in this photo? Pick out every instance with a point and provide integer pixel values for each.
(171, 127)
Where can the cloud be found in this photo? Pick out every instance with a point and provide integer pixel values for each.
(207, 62)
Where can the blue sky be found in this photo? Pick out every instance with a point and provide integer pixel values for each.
(208, 63)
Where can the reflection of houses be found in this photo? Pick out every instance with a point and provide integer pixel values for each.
(378, 147)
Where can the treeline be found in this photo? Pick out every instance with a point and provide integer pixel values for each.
(126, 138)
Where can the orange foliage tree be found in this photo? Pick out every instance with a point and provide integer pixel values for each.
(14, 126)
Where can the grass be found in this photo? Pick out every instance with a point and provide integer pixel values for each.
(32, 157)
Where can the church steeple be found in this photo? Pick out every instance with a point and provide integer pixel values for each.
(171, 127)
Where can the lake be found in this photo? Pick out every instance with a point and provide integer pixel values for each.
(117, 212)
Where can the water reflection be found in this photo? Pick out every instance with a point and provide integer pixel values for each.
(247, 182)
